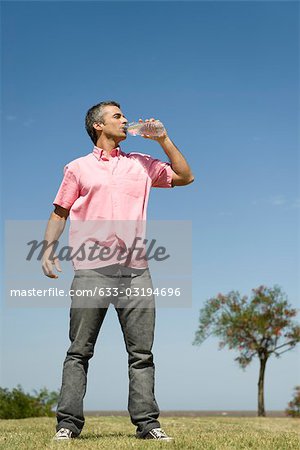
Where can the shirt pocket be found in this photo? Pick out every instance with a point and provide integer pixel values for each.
(132, 185)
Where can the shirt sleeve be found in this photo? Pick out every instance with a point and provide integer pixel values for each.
(159, 172)
(68, 191)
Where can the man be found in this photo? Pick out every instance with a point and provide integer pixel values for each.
(106, 194)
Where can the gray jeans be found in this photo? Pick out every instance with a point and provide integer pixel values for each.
(136, 313)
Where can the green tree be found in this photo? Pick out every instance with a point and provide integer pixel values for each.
(293, 408)
(16, 404)
(257, 327)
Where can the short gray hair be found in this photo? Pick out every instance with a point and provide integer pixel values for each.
(95, 114)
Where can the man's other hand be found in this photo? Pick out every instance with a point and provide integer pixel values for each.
(160, 138)
(48, 264)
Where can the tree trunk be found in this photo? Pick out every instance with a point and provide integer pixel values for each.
(261, 402)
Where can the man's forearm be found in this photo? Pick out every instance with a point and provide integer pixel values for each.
(55, 228)
(177, 160)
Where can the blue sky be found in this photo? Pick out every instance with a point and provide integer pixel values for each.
(224, 78)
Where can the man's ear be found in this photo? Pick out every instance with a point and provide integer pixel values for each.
(98, 126)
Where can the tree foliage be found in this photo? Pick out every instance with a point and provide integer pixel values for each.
(259, 326)
(293, 408)
(16, 404)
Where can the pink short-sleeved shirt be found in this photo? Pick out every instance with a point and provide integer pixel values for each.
(107, 198)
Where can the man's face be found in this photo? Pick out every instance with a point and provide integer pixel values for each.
(114, 122)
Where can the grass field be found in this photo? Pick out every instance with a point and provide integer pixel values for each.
(114, 432)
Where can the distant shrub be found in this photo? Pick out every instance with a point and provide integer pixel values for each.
(16, 404)
(293, 409)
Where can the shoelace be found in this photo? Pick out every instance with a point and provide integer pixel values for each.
(64, 432)
(158, 433)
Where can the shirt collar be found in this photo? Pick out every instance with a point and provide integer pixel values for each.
(99, 153)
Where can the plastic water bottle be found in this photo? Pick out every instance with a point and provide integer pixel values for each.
(153, 129)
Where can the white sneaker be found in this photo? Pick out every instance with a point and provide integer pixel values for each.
(63, 434)
(158, 434)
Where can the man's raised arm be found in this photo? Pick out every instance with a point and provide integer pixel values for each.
(182, 173)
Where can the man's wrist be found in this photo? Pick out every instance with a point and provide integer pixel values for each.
(164, 140)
